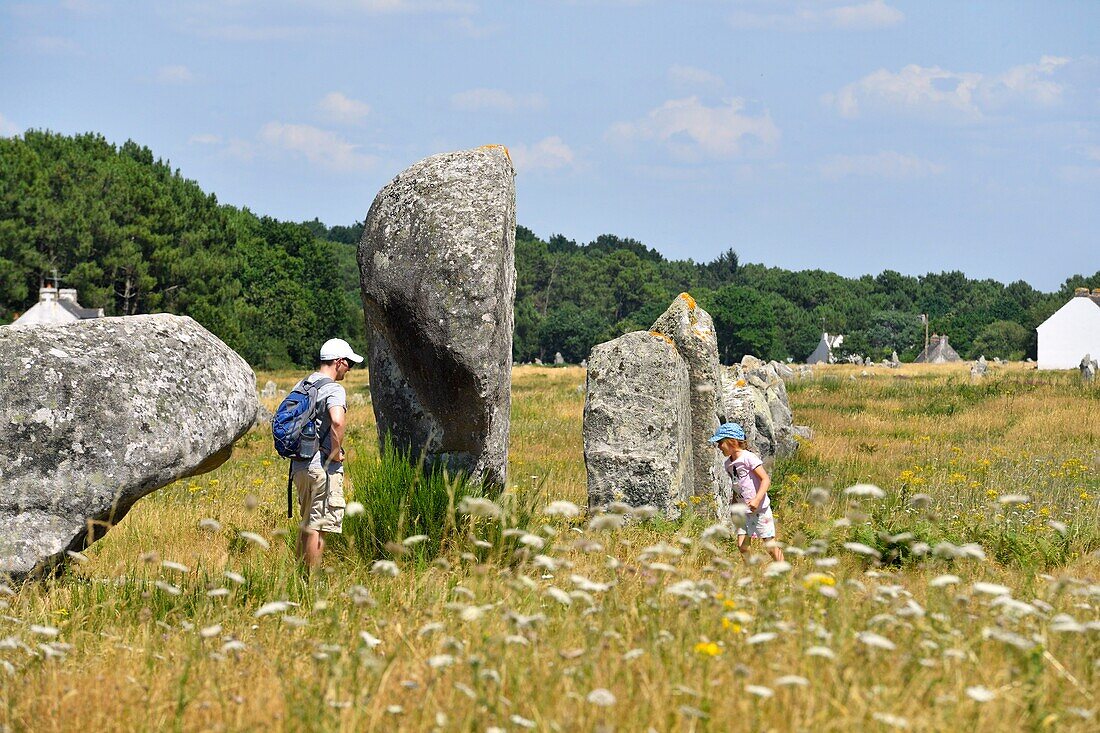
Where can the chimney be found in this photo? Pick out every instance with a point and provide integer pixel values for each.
(1096, 292)
(1081, 292)
(68, 294)
(47, 294)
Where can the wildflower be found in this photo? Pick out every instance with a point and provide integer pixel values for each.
(210, 631)
(233, 645)
(217, 592)
(731, 625)
(920, 501)
(559, 595)
(1057, 526)
(255, 539)
(533, 541)
(717, 531)
(813, 580)
(687, 589)
(894, 721)
(523, 722)
(821, 651)
(179, 567)
(777, 568)
(1014, 499)
(646, 511)
(707, 649)
(369, 639)
(354, 508)
(872, 639)
(869, 491)
(605, 521)
(791, 680)
(210, 525)
(168, 588)
(44, 630)
(761, 638)
(385, 567)
(415, 539)
(394, 709)
(1009, 638)
(273, 607)
(992, 589)
(440, 660)
(601, 697)
(562, 508)
(861, 549)
(980, 694)
(944, 580)
(1085, 496)
(478, 507)
(235, 577)
(818, 496)
(759, 691)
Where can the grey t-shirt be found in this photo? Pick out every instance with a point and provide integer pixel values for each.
(330, 395)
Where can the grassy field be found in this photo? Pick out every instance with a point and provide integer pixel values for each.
(967, 597)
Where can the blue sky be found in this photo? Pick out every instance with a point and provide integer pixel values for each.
(846, 135)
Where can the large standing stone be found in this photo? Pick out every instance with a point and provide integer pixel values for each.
(1088, 367)
(437, 267)
(755, 396)
(98, 413)
(692, 332)
(637, 423)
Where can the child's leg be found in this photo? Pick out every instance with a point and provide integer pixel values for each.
(775, 550)
(743, 546)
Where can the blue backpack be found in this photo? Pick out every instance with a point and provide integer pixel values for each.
(294, 426)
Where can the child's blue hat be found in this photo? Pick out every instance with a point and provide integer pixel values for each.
(728, 430)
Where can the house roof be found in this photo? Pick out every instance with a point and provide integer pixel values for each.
(80, 312)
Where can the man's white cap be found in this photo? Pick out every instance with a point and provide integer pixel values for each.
(339, 349)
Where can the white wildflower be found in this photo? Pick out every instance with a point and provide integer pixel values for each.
(920, 501)
(759, 690)
(717, 532)
(273, 607)
(44, 630)
(430, 628)
(546, 562)
(179, 567)
(601, 697)
(369, 639)
(944, 580)
(818, 496)
(587, 585)
(559, 595)
(869, 491)
(662, 567)
(522, 722)
(516, 639)
(168, 588)
(777, 568)
(207, 632)
(874, 640)
(1059, 527)
(533, 541)
(826, 562)
(562, 508)
(210, 525)
(761, 638)
(477, 506)
(217, 592)
(415, 539)
(354, 508)
(687, 589)
(385, 567)
(646, 511)
(440, 660)
(861, 549)
(605, 521)
(894, 721)
(1064, 623)
(77, 557)
(394, 709)
(1009, 638)
(632, 654)
(980, 694)
(233, 645)
(235, 577)
(791, 680)
(1014, 499)
(992, 589)
(972, 550)
(255, 539)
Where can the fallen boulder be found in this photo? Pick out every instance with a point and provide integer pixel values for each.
(691, 330)
(637, 423)
(437, 269)
(99, 413)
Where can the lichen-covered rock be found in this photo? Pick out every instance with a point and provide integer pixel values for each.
(97, 414)
(637, 423)
(437, 268)
(692, 332)
(755, 396)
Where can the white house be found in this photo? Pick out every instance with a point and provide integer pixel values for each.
(823, 354)
(1072, 332)
(56, 306)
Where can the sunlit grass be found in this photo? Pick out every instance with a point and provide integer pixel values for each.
(556, 625)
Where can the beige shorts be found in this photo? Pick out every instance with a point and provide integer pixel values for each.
(321, 506)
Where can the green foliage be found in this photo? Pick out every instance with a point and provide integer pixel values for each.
(134, 236)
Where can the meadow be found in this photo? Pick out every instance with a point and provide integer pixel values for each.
(942, 573)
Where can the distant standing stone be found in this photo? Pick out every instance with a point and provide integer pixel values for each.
(637, 423)
(1088, 368)
(538, 362)
(691, 330)
(98, 413)
(437, 268)
(979, 368)
(269, 391)
(558, 358)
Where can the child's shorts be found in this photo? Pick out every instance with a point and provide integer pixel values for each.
(760, 524)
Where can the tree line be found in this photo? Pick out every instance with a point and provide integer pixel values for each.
(135, 236)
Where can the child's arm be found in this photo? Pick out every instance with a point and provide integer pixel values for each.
(765, 481)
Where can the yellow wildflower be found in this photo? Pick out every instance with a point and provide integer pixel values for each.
(707, 649)
(731, 625)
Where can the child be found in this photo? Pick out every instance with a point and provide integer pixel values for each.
(750, 486)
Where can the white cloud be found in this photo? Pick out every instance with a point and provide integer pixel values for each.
(205, 139)
(320, 147)
(497, 100)
(341, 108)
(690, 76)
(942, 94)
(176, 74)
(802, 15)
(885, 164)
(7, 127)
(689, 128)
(550, 153)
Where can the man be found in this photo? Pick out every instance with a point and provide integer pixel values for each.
(320, 480)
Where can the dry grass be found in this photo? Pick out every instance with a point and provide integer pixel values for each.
(669, 624)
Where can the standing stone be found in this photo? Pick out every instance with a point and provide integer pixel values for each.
(558, 358)
(755, 396)
(1088, 368)
(895, 362)
(437, 268)
(269, 390)
(637, 423)
(691, 330)
(99, 413)
(979, 368)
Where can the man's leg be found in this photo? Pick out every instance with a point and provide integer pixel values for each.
(311, 544)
